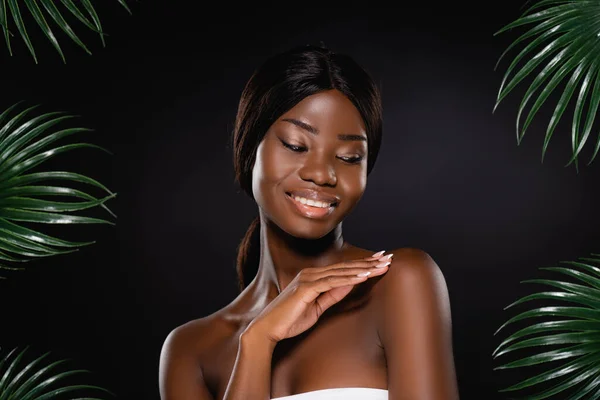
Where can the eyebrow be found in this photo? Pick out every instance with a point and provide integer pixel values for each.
(315, 131)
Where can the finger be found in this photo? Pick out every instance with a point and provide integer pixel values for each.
(331, 297)
(345, 264)
(380, 256)
(376, 268)
(375, 256)
(334, 295)
(385, 257)
(309, 291)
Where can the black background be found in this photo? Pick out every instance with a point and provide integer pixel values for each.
(450, 178)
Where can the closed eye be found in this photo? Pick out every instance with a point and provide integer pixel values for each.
(294, 148)
(302, 149)
(352, 159)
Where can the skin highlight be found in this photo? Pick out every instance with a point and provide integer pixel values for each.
(390, 330)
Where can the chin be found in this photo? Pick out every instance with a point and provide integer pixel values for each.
(301, 225)
(307, 234)
(306, 229)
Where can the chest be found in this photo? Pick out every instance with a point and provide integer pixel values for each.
(340, 351)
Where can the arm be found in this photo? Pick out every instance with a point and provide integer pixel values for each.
(251, 375)
(415, 329)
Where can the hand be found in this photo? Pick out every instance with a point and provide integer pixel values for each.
(310, 293)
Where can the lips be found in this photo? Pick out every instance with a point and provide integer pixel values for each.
(323, 207)
(315, 195)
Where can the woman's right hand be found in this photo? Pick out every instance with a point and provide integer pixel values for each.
(310, 293)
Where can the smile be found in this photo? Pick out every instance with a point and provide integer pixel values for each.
(312, 203)
(311, 208)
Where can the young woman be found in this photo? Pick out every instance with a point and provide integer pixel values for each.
(318, 318)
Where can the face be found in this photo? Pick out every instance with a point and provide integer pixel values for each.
(311, 167)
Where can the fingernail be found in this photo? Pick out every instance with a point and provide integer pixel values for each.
(366, 273)
(378, 254)
(386, 258)
(384, 264)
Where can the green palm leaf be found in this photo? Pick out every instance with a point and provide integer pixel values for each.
(38, 380)
(50, 12)
(563, 48)
(571, 337)
(25, 143)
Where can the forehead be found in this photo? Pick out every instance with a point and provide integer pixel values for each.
(329, 111)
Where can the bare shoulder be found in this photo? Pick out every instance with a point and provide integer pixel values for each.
(413, 274)
(414, 264)
(182, 355)
(189, 336)
(195, 337)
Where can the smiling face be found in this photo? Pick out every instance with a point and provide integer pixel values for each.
(311, 166)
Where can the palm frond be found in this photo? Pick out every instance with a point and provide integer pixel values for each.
(43, 11)
(38, 380)
(571, 337)
(564, 46)
(25, 143)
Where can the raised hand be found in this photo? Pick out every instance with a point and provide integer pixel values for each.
(310, 293)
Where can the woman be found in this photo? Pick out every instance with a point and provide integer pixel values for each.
(318, 318)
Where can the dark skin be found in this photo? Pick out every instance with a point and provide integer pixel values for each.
(307, 321)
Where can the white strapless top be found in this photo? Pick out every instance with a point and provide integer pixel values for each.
(340, 394)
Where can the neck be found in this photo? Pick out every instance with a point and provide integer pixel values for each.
(283, 256)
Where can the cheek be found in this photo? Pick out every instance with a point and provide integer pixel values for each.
(270, 168)
(354, 183)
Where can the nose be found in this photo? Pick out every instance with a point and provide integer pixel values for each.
(318, 170)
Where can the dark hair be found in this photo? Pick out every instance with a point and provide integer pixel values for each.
(277, 86)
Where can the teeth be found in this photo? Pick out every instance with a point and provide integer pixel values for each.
(312, 203)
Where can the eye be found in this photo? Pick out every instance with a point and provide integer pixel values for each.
(351, 159)
(294, 148)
